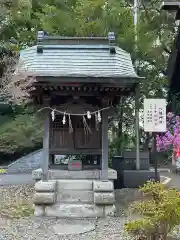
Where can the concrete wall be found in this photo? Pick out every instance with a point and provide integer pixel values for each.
(27, 163)
(135, 179)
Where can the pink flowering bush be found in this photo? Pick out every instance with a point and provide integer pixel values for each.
(172, 136)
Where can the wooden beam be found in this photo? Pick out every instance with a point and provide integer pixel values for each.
(45, 161)
(86, 87)
(137, 96)
(77, 93)
(104, 170)
(89, 80)
(64, 151)
(111, 93)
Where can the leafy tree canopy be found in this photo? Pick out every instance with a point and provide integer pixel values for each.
(21, 19)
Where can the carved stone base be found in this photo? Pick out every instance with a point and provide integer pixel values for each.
(72, 198)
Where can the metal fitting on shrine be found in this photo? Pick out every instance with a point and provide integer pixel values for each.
(40, 37)
(111, 37)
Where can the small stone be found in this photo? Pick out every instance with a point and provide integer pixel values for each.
(70, 229)
(39, 211)
(110, 210)
(112, 174)
(37, 174)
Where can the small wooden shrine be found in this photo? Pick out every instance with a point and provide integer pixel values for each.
(77, 82)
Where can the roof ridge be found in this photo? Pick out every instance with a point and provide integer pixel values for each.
(74, 47)
(74, 38)
(44, 38)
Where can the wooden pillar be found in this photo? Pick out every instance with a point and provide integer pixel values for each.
(137, 96)
(104, 170)
(45, 162)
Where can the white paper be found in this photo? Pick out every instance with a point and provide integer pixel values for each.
(155, 115)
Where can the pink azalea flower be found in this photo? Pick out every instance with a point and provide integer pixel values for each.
(170, 115)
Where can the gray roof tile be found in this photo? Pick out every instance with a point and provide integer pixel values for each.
(77, 61)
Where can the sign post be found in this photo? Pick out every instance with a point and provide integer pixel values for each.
(155, 122)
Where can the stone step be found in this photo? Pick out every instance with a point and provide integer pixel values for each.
(74, 185)
(75, 196)
(74, 211)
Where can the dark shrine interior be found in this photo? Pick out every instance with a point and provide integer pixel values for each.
(91, 100)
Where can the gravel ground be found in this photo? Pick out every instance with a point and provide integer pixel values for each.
(41, 229)
(16, 201)
(33, 228)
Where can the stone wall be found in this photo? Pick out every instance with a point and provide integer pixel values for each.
(27, 163)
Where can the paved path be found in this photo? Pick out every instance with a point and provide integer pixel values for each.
(26, 178)
(174, 179)
(16, 179)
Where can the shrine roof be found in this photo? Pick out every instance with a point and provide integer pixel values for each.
(77, 57)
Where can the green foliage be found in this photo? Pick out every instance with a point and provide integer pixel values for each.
(21, 19)
(159, 213)
(21, 132)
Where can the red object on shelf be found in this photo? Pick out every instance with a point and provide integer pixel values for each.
(75, 164)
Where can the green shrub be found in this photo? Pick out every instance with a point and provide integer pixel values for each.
(159, 213)
(20, 132)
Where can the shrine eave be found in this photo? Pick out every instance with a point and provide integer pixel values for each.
(85, 88)
(122, 80)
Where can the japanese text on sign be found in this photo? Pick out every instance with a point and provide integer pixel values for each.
(154, 115)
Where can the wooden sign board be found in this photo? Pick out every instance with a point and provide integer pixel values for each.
(155, 115)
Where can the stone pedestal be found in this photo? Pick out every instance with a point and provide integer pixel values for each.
(74, 198)
(65, 174)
